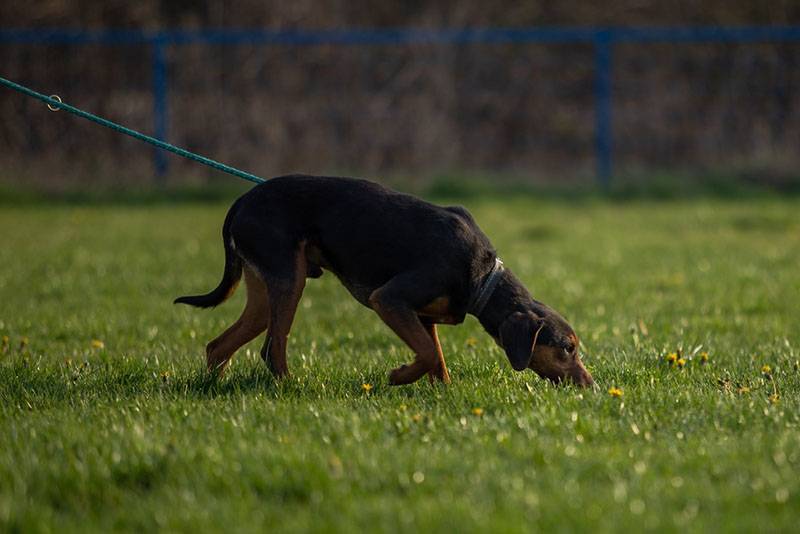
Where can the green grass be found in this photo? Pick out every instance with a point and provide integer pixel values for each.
(133, 436)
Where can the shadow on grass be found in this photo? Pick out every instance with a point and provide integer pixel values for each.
(30, 385)
(205, 384)
(318, 385)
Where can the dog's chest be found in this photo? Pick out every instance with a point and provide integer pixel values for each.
(439, 310)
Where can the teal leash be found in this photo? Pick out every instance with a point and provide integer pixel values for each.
(55, 103)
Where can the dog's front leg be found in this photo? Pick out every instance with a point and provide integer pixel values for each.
(403, 320)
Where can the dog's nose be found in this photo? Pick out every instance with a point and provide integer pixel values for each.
(581, 376)
(588, 381)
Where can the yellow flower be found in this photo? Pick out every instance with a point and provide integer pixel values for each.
(366, 387)
(742, 390)
(477, 411)
(97, 344)
(672, 358)
(471, 341)
(165, 376)
(681, 362)
(416, 417)
(774, 398)
(766, 369)
(703, 357)
(23, 342)
(615, 392)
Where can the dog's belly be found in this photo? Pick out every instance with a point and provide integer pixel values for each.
(360, 292)
(316, 261)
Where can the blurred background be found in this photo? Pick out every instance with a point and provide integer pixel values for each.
(275, 88)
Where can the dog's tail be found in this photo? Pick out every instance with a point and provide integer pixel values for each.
(231, 275)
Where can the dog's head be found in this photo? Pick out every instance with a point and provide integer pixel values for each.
(540, 339)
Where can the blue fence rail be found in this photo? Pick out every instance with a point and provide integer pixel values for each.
(603, 40)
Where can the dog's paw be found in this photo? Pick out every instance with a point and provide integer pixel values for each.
(397, 376)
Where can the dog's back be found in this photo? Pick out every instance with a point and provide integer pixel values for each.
(366, 232)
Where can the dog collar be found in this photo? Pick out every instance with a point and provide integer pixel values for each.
(487, 288)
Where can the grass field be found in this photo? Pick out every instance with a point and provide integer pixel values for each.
(108, 422)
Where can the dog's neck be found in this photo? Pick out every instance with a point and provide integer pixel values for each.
(485, 289)
(509, 296)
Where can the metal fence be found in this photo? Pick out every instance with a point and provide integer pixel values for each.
(602, 39)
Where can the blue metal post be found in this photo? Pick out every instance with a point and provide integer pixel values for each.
(160, 111)
(603, 135)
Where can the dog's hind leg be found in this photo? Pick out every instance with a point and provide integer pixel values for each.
(439, 371)
(285, 286)
(252, 322)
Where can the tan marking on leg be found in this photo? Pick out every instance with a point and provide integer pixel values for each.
(250, 324)
(232, 290)
(440, 369)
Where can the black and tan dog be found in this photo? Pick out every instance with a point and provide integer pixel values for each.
(415, 264)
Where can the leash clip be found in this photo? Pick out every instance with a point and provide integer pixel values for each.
(54, 108)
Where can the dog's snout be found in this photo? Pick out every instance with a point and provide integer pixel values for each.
(580, 376)
(585, 380)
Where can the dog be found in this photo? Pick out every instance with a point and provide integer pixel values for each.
(414, 263)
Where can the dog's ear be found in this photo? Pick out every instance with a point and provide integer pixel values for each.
(518, 336)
